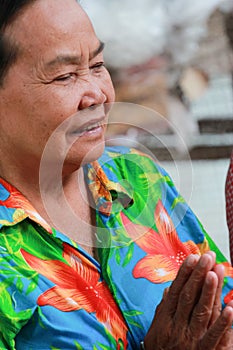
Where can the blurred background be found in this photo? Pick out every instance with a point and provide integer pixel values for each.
(172, 66)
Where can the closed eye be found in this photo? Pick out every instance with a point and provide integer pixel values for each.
(65, 77)
(97, 66)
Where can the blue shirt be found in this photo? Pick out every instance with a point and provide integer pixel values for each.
(54, 295)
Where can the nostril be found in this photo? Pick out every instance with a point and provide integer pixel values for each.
(93, 107)
(92, 99)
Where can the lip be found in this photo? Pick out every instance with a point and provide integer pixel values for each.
(88, 126)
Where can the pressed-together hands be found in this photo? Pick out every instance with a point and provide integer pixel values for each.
(190, 315)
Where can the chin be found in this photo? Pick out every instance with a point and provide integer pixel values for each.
(94, 154)
(79, 156)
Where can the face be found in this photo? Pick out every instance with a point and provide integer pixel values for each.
(59, 73)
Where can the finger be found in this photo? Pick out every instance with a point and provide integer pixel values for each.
(217, 307)
(160, 306)
(218, 331)
(191, 292)
(178, 284)
(167, 307)
(226, 341)
(202, 312)
(165, 293)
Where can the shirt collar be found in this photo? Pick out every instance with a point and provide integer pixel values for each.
(107, 193)
(14, 207)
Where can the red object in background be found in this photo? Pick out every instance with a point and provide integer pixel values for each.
(229, 204)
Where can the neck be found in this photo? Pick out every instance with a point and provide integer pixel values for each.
(25, 177)
(63, 201)
(67, 206)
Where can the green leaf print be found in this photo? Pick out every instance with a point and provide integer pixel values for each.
(11, 320)
(41, 317)
(33, 284)
(118, 257)
(6, 283)
(177, 200)
(129, 315)
(78, 346)
(112, 341)
(104, 347)
(132, 313)
(19, 284)
(120, 238)
(129, 255)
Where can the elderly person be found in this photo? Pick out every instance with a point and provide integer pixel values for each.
(91, 238)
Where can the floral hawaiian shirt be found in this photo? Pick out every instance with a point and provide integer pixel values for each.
(53, 295)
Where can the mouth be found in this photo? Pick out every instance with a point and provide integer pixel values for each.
(92, 127)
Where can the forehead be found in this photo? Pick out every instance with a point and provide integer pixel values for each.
(51, 24)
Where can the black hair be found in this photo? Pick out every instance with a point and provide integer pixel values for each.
(9, 11)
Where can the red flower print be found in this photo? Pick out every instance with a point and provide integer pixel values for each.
(77, 286)
(16, 200)
(165, 251)
(228, 297)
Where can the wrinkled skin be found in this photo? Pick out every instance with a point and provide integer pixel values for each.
(190, 315)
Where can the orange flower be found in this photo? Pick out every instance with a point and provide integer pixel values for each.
(77, 286)
(165, 251)
(101, 188)
(99, 182)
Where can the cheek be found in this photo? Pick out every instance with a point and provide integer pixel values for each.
(108, 88)
(55, 107)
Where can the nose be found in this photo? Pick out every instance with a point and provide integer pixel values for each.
(92, 95)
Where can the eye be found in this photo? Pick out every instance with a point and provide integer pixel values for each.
(97, 67)
(65, 77)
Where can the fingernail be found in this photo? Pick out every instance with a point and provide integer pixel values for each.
(211, 253)
(204, 260)
(209, 278)
(192, 259)
(227, 312)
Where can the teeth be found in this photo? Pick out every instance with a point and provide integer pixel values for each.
(88, 128)
(92, 126)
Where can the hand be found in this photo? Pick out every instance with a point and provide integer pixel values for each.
(190, 317)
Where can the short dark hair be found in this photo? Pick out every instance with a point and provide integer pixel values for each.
(9, 11)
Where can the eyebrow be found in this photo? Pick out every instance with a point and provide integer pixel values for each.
(73, 59)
